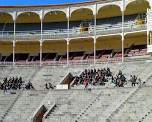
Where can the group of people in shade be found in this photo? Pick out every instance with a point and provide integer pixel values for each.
(101, 76)
(14, 83)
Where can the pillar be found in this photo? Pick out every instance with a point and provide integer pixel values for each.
(14, 43)
(67, 51)
(95, 33)
(123, 31)
(41, 40)
(68, 29)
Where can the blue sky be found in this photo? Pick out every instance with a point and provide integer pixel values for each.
(37, 2)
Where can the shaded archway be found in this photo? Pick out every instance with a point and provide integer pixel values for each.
(82, 14)
(5, 18)
(28, 21)
(55, 20)
(28, 17)
(55, 16)
(109, 11)
(6, 22)
(137, 7)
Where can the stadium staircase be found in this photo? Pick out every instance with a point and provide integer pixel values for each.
(59, 97)
(135, 108)
(16, 71)
(74, 104)
(7, 100)
(48, 74)
(147, 116)
(24, 107)
(53, 75)
(69, 108)
(105, 102)
(132, 105)
(128, 69)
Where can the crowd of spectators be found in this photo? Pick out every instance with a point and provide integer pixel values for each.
(93, 76)
(119, 80)
(101, 76)
(14, 83)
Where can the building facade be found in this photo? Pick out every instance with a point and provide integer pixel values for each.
(82, 30)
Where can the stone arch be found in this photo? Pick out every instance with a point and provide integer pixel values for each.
(133, 7)
(81, 14)
(110, 10)
(5, 17)
(55, 16)
(28, 17)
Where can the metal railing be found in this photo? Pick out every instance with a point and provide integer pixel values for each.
(73, 33)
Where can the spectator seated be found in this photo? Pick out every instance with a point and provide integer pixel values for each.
(102, 76)
(15, 83)
(93, 77)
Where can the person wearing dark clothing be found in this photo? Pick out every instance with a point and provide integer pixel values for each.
(46, 86)
(51, 86)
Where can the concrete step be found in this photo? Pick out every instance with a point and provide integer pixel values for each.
(25, 106)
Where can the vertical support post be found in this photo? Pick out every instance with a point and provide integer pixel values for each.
(41, 52)
(150, 38)
(14, 43)
(67, 51)
(95, 33)
(94, 49)
(147, 27)
(68, 28)
(123, 31)
(41, 40)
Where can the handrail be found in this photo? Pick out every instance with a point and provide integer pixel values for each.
(76, 32)
(75, 28)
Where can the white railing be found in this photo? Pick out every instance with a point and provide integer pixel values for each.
(73, 33)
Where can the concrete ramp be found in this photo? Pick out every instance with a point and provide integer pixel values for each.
(65, 83)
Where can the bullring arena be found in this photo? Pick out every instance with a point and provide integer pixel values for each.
(80, 62)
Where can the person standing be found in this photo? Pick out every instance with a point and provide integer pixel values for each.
(85, 82)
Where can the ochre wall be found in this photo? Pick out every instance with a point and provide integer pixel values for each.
(108, 43)
(135, 40)
(6, 48)
(87, 45)
(55, 47)
(81, 45)
(27, 47)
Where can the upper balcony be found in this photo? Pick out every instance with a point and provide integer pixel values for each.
(27, 16)
(76, 32)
